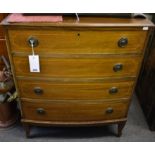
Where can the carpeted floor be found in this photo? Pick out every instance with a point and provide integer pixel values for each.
(136, 129)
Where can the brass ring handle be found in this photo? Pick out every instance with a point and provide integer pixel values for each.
(38, 91)
(118, 67)
(113, 90)
(109, 110)
(122, 42)
(34, 41)
(40, 111)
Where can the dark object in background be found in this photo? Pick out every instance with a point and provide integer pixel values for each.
(7, 103)
(3, 49)
(146, 85)
(113, 15)
(126, 15)
(7, 114)
(8, 110)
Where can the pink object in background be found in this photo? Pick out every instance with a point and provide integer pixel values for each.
(18, 17)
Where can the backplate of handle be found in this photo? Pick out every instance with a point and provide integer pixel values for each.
(40, 111)
(113, 90)
(34, 41)
(118, 67)
(38, 91)
(109, 110)
(123, 42)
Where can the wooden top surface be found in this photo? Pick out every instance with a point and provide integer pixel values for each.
(71, 21)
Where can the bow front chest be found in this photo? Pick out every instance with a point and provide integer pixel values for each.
(88, 69)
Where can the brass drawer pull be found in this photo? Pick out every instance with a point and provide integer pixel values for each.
(33, 40)
(122, 42)
(38, 91)
(118, 67)
(109, 110)
(40, 111)
(113, 90)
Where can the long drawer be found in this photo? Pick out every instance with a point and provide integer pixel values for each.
(79, 41)
(80, 67)
(74, 110)
(59, 91)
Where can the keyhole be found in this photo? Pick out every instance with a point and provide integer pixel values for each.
(78, 34)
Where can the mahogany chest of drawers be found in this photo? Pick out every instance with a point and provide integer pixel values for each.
(88, 69)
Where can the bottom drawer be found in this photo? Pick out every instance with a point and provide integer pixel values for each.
(74, 110)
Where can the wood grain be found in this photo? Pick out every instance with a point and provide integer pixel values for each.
(79, 111)
(78, 67)
(53, 91)
(75, 41)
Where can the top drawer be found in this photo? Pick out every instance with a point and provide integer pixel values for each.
(75, 41)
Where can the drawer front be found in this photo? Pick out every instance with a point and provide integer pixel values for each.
(79, 41)
(56, 91)
(73, 111)
(80, 67)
